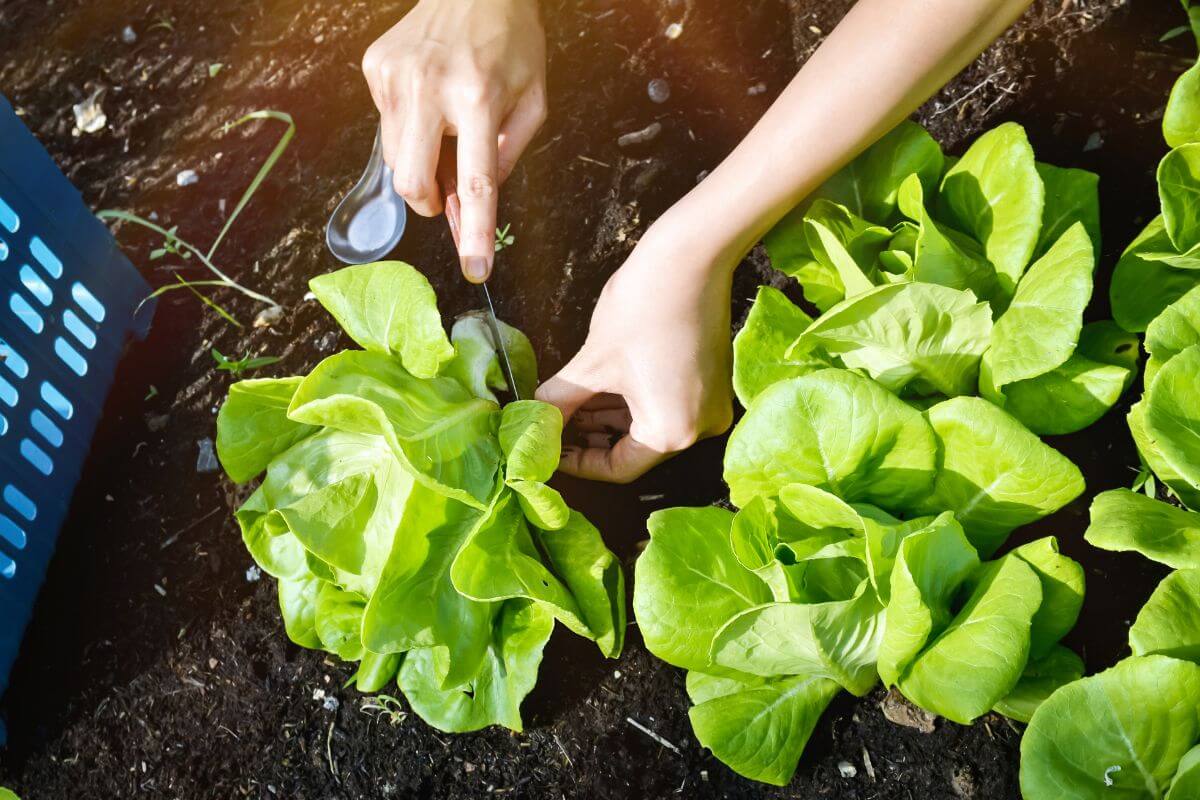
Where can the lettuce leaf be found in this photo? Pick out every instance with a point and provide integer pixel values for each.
(1120, 733)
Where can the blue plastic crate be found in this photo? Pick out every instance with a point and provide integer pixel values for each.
(68, 300)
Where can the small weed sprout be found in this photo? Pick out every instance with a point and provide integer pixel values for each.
(174, 245)
(504, 238)
(386, 706)
(243, 364)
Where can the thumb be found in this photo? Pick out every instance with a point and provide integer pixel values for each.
(565, 393)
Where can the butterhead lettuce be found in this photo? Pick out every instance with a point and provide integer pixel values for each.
(406, 515)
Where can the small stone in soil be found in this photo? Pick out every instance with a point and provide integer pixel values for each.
(187, 177)
(646, 134)
(757, 89)
(659, 90)
(963, 783)
(89, 116)
(673, 31)
(898, 710)
(846, 769)
(253, 574)
(128, 35)
(206, 458)
(268, 316)
(1094, 142)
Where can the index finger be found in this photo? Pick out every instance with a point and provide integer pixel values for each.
(477, 181)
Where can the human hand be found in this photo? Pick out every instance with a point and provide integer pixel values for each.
(471, 69)
(654, 372)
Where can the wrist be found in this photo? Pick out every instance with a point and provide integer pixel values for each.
(703, 234)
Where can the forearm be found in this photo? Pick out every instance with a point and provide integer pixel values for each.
(881, 62)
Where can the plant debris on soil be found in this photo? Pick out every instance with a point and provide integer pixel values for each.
(156, 663)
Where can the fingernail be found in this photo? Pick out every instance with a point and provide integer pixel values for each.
(475, 268)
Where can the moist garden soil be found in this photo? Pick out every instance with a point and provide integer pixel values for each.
(156, 667)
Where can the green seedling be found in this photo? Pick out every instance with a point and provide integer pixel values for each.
(244, 364)
(504, 238)
(174, 245)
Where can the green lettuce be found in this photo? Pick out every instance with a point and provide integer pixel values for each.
(857, 554)
(1163, 263)
(406, 515)
(1165, 422)
(969, 282)
(1132, 731)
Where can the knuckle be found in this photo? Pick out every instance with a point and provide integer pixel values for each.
(372, 60)
(387, 70)
(412, 188)
(673, 438)
(424, 75)
(477, 92)
(478, 186)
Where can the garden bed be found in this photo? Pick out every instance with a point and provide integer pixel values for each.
(155, 667)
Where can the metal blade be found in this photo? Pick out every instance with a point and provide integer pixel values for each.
(505, 364)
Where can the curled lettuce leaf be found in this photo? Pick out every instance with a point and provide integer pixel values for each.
(940, 254)
(253, 426)
(761, 348)
(834, 430)
(1174, 330)
(1167, 624)
(758, 727)
(993, 473)
(1172, 416)
(688, 583)
(1144, 281)
(1124, 520)
(388, 308)
(1178, 179)
(1181, 120)
(1041, 326)
(918, 336)
(994, 193)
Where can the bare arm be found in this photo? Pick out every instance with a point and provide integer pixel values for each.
(656, 364)
(880, 63)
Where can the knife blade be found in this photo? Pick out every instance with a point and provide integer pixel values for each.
(501, 350)
(453, 209)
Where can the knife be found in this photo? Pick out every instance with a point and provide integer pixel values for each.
(453, 217)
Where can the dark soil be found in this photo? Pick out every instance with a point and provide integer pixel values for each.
(153, 666)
